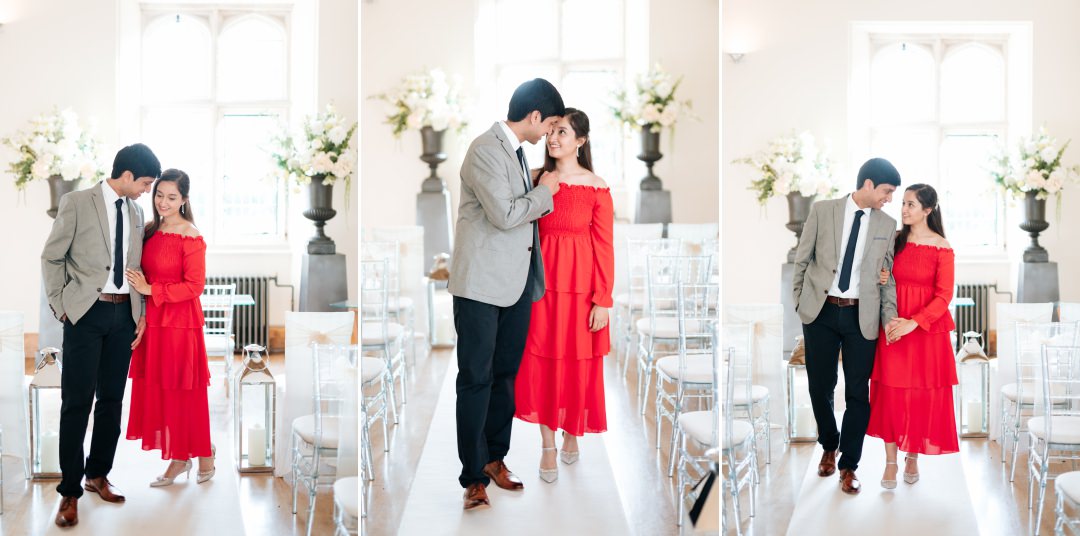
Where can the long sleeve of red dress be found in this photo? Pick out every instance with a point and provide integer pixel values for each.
(943, 291)
(193, 268)
(602, 229)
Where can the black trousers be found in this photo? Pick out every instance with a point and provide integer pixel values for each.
(97, 352)
(491, 341)
(837, 328)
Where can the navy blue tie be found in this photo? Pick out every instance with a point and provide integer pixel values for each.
(525, 166)
(118, 247)
(849, 253)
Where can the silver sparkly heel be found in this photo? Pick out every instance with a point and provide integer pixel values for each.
(911, 478)
(889, 484)
(163, 480)
(549, 475)
(566, 456)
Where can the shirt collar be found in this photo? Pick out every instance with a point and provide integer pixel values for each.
(514, 143)
(110, 194)
(851, 206)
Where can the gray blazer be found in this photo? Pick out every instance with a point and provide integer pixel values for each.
(495, 238)
(818, 258)
(77, 255)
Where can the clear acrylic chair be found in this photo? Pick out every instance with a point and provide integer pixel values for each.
(1054, 430)
(345, 506)
(378, 334)
(630, 303)
(401, 309)
(217, 307)
(738, 455)
(315, 437)
(1018, 399)
(374, 379)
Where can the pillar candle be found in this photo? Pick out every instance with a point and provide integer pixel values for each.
(256, 445)
(974, 417)
(444, 329)
(50, 452)
(805, 425)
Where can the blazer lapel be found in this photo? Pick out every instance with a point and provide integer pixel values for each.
(135, 229)
(103, 218)
(497, 130)
(838, 224)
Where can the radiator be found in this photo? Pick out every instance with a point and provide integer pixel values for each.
(250, 322)
(975, 318)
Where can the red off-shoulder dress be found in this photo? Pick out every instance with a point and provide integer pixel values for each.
(169, 372)
(561, 380)
(911, 388)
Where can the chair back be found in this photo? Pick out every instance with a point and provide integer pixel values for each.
(390, 251)
(695, 303)
(665, 274)
(333, 368)
(1058, 391)
(738, 341)
(1030, 337)
(631, 231)
(217, 307)
(375, 296)
(637, 269)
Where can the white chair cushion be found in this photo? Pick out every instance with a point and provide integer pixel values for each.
(345, 495)
(305, 427)
(699, 368)
(668, 328)
(698, 425)
(217, 345)
(1031, 390)
(1069, 484)
(1066, 429)
(757, 394)
(740, 431)
(371, 332)
(371, 368)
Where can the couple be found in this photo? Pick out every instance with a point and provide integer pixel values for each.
(507, 216)
(882, 297)
(93, 266)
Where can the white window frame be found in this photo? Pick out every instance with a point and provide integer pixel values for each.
(1014, 39)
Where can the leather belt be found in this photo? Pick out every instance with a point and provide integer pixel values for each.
(114, 298)
(842, 302)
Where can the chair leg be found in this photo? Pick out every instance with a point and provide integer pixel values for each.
(682, 487)
(311, 506)
(295, 474)
(676, 434)
(1015, 443)
(768, 434)
(385, 435)
(1042, 498)
(658, 403)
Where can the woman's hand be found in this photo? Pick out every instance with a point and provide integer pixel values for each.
(598, 318)
(138, 282)
(884, 280)
(900, 327)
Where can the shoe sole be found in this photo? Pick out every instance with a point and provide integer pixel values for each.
(95, 490)
(481, 506)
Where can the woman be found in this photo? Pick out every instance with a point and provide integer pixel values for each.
(911, 388)
(560, 384)
(169, 372)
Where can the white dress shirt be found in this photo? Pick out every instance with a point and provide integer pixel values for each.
(860, 244)
(110, 197)
(514, 144)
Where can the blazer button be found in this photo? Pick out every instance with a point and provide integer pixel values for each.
(834, 271)
(108, 268)
(99, 290)
(530, 248)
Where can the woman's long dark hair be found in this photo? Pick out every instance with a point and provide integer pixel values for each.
(580, 123)
(927, 197)
(183, 184)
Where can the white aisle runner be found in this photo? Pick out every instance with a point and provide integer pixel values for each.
(938, 503)
(584, 500)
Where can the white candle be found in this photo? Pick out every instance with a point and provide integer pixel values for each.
(50, 452)
(805, 426)
(256, 445)
(974, 417)
(444, 329)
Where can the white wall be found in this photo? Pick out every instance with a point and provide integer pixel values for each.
(441, 34)
(794, 76)
(75, 65)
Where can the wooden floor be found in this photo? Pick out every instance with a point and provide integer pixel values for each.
(264, 503)
(640, 469)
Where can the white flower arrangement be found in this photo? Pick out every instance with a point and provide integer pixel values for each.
(652, 103)
(427, 99)
(792, 164)
(1033, 166)
(319, 148)
(55, 146)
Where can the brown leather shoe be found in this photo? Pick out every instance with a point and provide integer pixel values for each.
(103, 487)
(848, 482)
(827, 465)
(502, 476)
(68, 515)
(476, 497)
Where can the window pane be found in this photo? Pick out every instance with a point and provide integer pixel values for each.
(973, 85)
(970, 203)
(592, 29)
(520, 29)
(250, 191)
(913, 151)
(507, 80)
(176, 59)
(180, 137)
(252, 60)
(588, 91)
(902, 85)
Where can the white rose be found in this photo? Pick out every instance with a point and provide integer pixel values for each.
(40, 169)
(668, 116)
(87, 169)
(337, 134)
(650, 114)
(1034, 179)
(415, 120)
(322, 163)
(317, 128)
(70, 170)
(439, 121)
(1048, 154)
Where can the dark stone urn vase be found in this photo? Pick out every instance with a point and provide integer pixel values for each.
(57, 188)
(321, 210)
(798, 210)
(1035, 223)
(433, 155)
(650, 153)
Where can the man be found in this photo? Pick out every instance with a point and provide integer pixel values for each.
(844, 245)
(98, 233)
(495, 275)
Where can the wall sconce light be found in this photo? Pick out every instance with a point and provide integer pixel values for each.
(736, 57)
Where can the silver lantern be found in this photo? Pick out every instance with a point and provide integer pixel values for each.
(973, 391)
(254, 407)
(45, 415)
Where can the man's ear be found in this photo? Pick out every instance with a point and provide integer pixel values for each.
(535, 117)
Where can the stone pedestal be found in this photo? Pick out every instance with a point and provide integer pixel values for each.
(323, 281)
(433, 214)
(1038, 283)
(50, 330)
(653, 206)
(792, 324)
